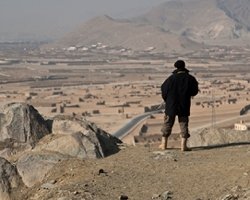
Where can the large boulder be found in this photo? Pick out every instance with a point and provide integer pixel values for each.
(10, 180)
(39, 144)
(33, 166)
(218, 137)
(21, 123)
(79, 138)
(77, 144)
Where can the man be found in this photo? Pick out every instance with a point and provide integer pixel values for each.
(177, 91)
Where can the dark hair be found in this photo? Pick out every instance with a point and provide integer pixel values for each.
(179, 64)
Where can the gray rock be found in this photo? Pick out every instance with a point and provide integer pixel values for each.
(247, 194)
(156, 196)
(22, 128)
(77, 144)
(9, 179)
(166, 195)
(7, 152)
(21, 123)
(237, 193)
(229, 197)
(48, 186)
(33, 166)
(91, 140)
(218, 137)
(63, 198)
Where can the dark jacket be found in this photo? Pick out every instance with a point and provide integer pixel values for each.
(177, 91)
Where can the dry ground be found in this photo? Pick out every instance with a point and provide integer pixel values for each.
(115, 85)
(143, 172)
(140, 172)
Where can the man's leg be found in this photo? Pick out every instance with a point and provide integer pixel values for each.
(166, 130)
(183, 121)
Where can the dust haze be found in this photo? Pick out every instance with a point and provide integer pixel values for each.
(43, 20)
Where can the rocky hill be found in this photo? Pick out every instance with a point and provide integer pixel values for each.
(30, 146)
(174, 26)
(68, 158)
(238, 11)
(123, 34)
(209, 22)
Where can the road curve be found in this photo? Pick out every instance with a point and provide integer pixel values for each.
(127, 128)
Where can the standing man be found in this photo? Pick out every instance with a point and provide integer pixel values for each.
(177, 91)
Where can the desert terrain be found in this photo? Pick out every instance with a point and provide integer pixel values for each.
(112, 93)
(115, 92)
(81, 115)
(115, 87)
(144, 173)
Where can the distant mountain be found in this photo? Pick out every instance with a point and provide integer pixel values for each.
(206, 21)
(124, 33)
(238, 10)
(174, 26)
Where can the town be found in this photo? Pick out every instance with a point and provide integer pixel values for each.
(110, 93)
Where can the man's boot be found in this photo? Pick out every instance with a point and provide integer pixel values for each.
(164, 143)
(184, 145)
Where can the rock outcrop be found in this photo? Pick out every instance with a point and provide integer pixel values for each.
(79, 138)
(21, 123)
(10, 179)
(218, 137)
(33, 166)
(37, 145)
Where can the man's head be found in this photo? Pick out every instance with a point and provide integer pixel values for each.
(179, 64)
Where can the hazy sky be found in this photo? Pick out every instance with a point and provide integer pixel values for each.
(50, 18)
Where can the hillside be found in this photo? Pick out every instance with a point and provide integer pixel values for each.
(117, 33)
(210, 22)
(238, 11)
(70, 158)
(144, 173)
(174, 26)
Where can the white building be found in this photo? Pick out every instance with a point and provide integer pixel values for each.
(71, 48)
(242, 126)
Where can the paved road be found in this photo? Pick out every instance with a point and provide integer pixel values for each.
(126, 129)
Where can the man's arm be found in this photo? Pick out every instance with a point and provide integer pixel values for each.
(164, 90)
(194, 89)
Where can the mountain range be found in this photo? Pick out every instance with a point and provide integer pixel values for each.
(174, 26)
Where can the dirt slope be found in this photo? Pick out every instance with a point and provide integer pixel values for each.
(143, 172)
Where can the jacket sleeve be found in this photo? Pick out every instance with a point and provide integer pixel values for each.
(194, 89)
(164, 90)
